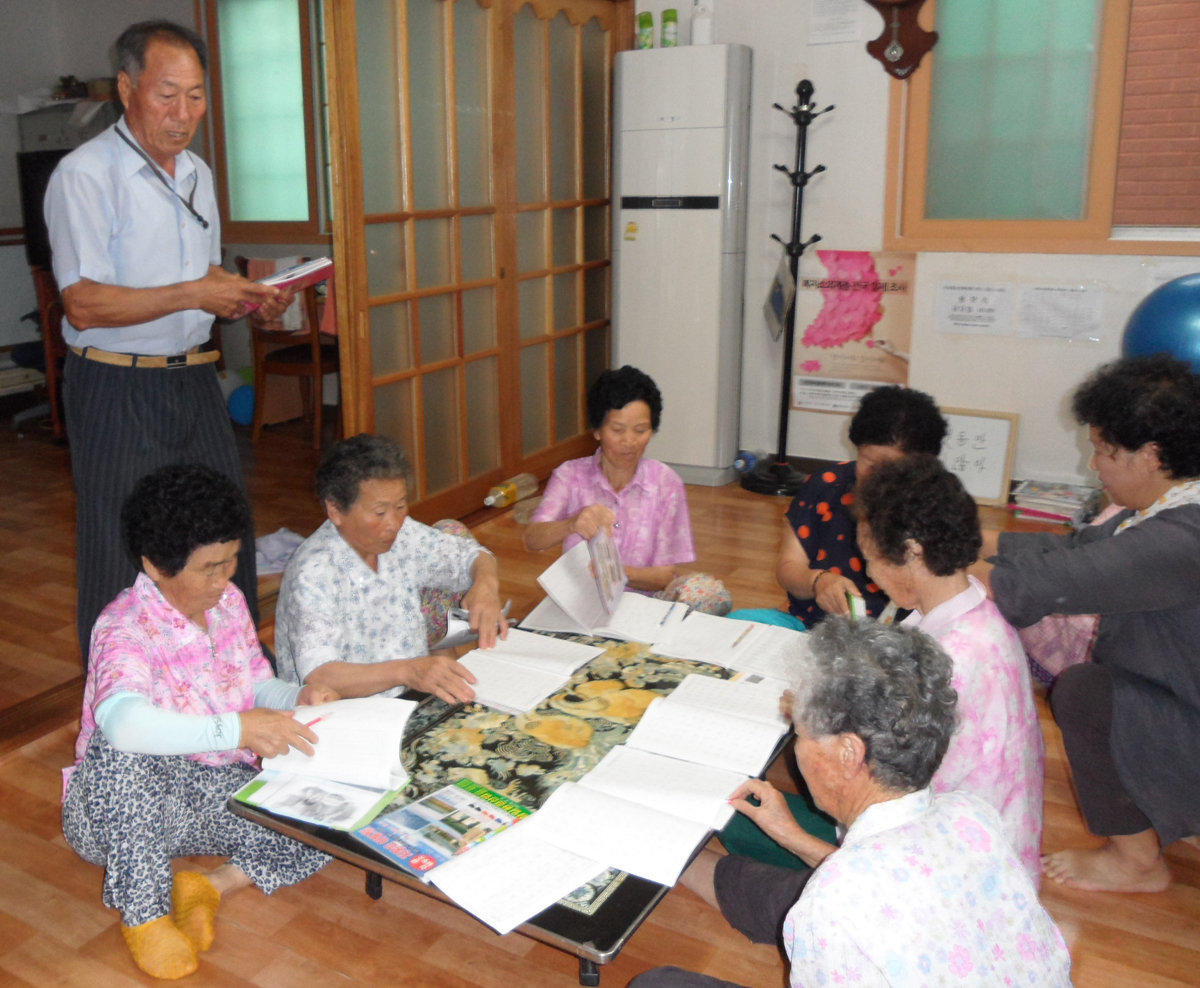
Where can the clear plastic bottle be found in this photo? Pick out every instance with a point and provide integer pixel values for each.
(670, 29)
(512, 490)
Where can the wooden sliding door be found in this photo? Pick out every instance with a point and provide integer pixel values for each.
(471, 181)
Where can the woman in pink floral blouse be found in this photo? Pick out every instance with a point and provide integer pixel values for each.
(641, 502)
(178, 706)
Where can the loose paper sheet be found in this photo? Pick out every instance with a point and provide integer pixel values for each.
(834, 22)
(513, 876)
(1061, 312)
(981, 310)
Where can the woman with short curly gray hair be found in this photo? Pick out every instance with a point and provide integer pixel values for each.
(922, 886)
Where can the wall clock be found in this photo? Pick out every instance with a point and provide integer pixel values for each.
(904, 42)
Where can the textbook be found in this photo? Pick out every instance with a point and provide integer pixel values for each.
(574, 604)
(430, 831)
(520, 671)
(297, 277)
(746, 646)
(353, 773)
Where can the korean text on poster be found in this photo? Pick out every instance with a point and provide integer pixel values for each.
(855, 307)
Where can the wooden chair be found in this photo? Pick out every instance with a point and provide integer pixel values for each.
(280, 353)
(50, 311)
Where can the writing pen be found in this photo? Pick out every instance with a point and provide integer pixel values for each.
(668, 614)
(742, 636)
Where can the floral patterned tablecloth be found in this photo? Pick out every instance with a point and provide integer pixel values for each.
(526, 757)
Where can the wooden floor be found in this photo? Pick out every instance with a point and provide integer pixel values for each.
(326, 931)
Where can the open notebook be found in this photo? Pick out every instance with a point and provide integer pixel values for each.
(746, 646)
(354, 771)
(523, 669)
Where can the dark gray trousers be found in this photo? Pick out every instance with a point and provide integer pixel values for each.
(123, 423)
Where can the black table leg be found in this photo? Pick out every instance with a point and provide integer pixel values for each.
(589, 973)
(375, 886)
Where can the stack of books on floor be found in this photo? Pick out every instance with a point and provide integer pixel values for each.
(1068, 504)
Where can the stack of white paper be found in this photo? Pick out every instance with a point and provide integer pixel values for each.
(522, 670)
(746, 646)
(574, 605)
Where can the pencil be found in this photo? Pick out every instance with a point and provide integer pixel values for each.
(741, 637)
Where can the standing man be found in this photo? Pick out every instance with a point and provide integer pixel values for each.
(137, 250)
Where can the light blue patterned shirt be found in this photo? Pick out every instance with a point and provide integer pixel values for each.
(113, 222)
(333, 608)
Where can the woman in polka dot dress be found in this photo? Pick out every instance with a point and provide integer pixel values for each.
(819, 559)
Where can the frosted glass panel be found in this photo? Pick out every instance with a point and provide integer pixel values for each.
(531, 241)
(595, 110)
(531, 296)
(427, 88)
(1010, 117)
(378, 105)
(476, 234)
(566, 388)
(564, 237)
(433, 253)
(595, 354)
(564, 301)
(391, 342)
(471, 84)
(443, 467)
(595, 233)
(385, 258)
(595, 294)
(263, 92)
(562, 108)
(535, 410)
(479, 320)
(437, 328)
(394, 417)
(530, 74)
(483, 417)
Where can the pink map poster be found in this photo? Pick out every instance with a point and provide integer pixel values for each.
(853, 326)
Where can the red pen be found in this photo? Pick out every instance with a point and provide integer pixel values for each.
(315, 720)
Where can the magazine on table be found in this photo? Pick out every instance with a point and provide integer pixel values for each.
(430, 831)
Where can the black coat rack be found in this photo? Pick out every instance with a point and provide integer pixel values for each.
(776, 475)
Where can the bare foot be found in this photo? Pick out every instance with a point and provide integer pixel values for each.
(1106, 869)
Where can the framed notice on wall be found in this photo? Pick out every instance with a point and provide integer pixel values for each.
(979, 450)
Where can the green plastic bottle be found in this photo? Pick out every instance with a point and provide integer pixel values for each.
(670, 28)
(645, 29)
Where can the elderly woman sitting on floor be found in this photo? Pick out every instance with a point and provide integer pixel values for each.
(923, 886)
(179, 702)
(640, 502)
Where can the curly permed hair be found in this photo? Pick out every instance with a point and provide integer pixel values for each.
(615, 389)
(896, 416)
(351, 461)
(175, 510)
(1139, 400)
(917, 498)
(890, 685)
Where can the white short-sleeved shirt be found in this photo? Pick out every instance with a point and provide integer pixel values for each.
(112, 221)
(334, 608)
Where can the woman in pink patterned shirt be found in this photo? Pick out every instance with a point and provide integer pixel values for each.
(641, 502)
(178, 706)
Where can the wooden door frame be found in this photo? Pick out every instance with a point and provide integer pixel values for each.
(353, 311)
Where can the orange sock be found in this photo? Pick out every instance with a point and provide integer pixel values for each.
(195, 902)
(160, 949)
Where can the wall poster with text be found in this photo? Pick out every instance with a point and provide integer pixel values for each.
(853, 326)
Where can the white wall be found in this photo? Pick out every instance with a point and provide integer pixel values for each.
(42, 40)
(845, 205)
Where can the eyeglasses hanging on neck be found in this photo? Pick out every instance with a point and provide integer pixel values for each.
(187, 203)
